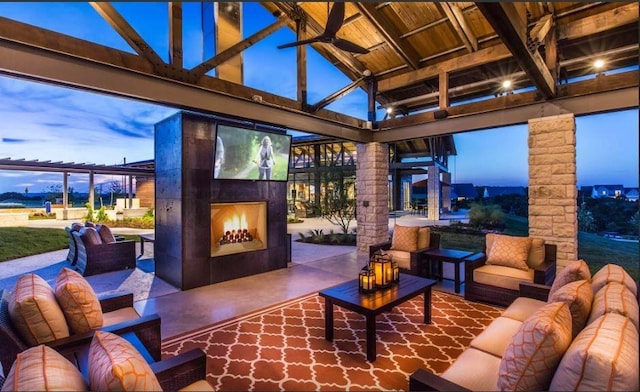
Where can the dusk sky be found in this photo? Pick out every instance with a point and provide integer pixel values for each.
(46, 122)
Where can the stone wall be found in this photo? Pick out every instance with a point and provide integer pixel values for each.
(372, 190)
(552, 184)
(433, 193)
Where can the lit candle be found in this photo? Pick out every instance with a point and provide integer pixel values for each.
(389, 273)
(378, 272)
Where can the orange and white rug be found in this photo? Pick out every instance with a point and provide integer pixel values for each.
(283, 348)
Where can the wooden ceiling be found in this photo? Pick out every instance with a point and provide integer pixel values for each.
(423, 56)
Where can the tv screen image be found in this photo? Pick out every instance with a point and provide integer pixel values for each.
(248, 154)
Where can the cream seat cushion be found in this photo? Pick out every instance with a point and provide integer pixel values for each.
(495, 339)
(35, 312)
(78, 301)
(501, 276)
(475, 370)
(615, 298)
(115, 365)
(613, 273)
(201, 385)
(119, 316)
(42, 368)
(405, 238)
(401, 257)
(535, 350)
(603, 357)
(522, 308)
(508, 251)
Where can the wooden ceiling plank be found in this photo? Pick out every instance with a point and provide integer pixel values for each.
(128, 33)
(482, 56)
(600, 22)
(390, 33)
(506, 21)
(200, 70)
(542, 27)
(175, 34)
(460, 25)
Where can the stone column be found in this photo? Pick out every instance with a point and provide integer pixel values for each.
(433, 193)
(552, 184)
(372, 194)
(446, 192)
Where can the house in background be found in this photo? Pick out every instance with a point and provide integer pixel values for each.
(607, 191)
(631, 194)
(463, 191)
(492, 191)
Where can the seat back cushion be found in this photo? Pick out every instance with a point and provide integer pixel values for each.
(401, 257)
(615, 298)
(115, 365)
(576, 270)
(536, 349)
(42, 368)
(424, 237)
(90, 236)
(579, 296)
(105, 234)
(603, 357)
(34, 311)
(78, 301)
(613, 273)
(536, 252)
(509, 251)
(405, 238)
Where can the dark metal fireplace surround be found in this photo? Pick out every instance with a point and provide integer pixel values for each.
(185, 194)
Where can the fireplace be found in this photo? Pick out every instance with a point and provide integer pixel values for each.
(238, 227)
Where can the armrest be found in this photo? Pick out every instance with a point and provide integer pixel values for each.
(115, 301)
(380, 246)
(471, 263)
(545, 273)
(534, 291)
(177, 372)
(424, 380)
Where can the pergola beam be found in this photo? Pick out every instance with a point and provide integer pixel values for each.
(390, 33)
(336, 95)
(598, 23)
(128, 33)
(506, 20)
(455, 16)
(175, 34)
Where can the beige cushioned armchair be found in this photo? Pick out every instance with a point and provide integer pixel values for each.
(407, 247)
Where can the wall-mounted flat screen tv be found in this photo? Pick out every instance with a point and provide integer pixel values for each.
(249, 154)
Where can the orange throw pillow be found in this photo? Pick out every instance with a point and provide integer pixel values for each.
(405, 238)
(509, 251)
(78, 301)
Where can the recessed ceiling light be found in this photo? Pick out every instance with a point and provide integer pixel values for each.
(599, 63)
(506, 84)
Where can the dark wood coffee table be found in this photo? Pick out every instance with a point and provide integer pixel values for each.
(370, 305)
(442, 255)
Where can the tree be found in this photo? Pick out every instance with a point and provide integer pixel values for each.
(339, 203)
(26, 192)
(585, 219)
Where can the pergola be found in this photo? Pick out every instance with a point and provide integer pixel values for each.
(437, 66)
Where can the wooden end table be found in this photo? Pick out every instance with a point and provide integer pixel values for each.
(443, 255)
(370, 305)
(146, 238)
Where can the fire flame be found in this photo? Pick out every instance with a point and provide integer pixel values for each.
(236, 222)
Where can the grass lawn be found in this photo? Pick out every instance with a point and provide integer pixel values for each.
(16, 242)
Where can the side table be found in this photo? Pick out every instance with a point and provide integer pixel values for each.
(443, 255)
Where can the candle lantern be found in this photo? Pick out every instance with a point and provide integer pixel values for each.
(367, 280)
(381, 265)
(395, 271)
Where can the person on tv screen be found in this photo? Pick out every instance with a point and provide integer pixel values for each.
(217, 165)
(265, 159)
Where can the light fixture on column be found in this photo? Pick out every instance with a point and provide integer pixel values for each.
(598, 65)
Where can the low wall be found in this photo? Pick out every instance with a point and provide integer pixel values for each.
(12, 219)
(71, 213)
(134, 212)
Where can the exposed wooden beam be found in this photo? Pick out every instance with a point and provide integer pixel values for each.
(128, 33)
(390, 33)
(443, 90)
(175, 34)
(598, 23)
(455, 16)
(301, 67)
(507, 23)
(43, 65)
(336, 95)
(540, 30)
(483, 56)
(234, 50)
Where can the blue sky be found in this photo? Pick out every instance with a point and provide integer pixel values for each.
(52, 123)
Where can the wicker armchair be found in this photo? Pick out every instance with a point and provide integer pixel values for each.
(418, 264)
(146, 329)
(106, 257)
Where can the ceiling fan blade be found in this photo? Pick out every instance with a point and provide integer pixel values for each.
(301, 42)
(349, 46)
(335, 19)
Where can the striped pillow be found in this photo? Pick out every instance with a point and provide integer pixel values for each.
(78, 301)
(613, 273)
(615, 298)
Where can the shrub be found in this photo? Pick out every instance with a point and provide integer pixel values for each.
(486, 216)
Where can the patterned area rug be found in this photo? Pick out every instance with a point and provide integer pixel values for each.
(283, 347)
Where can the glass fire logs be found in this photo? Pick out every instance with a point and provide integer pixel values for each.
(233, 236)
(381, 272)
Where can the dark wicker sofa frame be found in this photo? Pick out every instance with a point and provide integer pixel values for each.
(419, 262)
(146, 329)
(101, 258)
(543, 274)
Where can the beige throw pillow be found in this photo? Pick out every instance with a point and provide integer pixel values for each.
(615, 298)
(576, 270)
(424, 237)
(536, 252)
(536, 349)
(78, 301)
(579, 296)
(613, 273)
(405, 238)
(509, 251)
